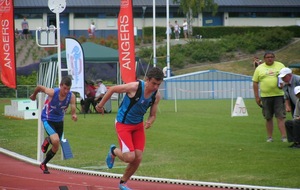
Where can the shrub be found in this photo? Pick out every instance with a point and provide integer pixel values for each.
(212, 50)
(275, 38)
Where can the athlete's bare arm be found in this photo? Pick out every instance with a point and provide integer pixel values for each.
(40, 88)
(129, 88)
(153, 110)
(73, 107)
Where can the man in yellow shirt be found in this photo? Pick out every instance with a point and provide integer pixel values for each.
(269, 95)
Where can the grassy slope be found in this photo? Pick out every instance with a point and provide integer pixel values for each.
(286, 55)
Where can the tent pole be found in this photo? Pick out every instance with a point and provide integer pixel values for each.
(58, 47)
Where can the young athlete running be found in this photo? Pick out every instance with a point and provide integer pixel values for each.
(53, 114)
(129, 124)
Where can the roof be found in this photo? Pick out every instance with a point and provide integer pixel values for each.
(258, 3)
(92, 53)
(113, 3)
(89, 3)
(294, 65)
(211, 75)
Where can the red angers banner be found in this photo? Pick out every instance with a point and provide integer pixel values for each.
(126, 42)
(7, 44)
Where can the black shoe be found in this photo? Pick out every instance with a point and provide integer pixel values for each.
(44, 168)
(292, 145)
(45, 145)
(295, 145)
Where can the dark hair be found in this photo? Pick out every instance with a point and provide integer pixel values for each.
(66, 80)
(89, 82)
(269, 52)
(155, 73)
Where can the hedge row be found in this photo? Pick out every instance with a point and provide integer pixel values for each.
(220, 31)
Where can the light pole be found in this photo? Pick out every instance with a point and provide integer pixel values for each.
(168, 41)
(154, 35)
(144, 10)
(57, 6)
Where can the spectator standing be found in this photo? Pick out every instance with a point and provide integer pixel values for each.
(25, 28)
(169, 33)
(165, 69)
(185, 29)
(129, 121)
(56, 104)
(293, 126)
(256, 62)
(92, 29)
(176, 30)
(271, 98)
(291, 81)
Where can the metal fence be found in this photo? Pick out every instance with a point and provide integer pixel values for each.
(22, 91)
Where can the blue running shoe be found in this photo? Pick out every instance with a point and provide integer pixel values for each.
(123, 186)
(110, 159)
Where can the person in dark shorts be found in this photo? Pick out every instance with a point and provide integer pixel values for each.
(293, 126)
(56, 104)
(269, 95)
(25, 28)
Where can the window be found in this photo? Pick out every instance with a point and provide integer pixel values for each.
(86, 15)
(28, 16)
(264, 14)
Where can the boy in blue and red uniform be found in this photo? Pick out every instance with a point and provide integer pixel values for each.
(129, 124)
(56, 104)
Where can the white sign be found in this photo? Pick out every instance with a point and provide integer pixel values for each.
(75, 63)
(239, 108)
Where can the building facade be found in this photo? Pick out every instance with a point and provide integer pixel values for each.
(78, 15)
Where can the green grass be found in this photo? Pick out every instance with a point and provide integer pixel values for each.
(200, 142)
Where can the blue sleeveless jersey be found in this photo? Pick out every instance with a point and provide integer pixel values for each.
(137, 112)
(55, 109)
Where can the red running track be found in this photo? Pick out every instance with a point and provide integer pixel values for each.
(19, 175)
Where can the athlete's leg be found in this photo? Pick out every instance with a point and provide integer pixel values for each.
(125, 157)
(130, 138)
(54, 130)
(55, 141)
(45, 144)
(134, 158)
(132, 166)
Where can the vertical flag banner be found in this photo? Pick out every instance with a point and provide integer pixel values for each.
(126, 42)
(75, 63)
(7, 44)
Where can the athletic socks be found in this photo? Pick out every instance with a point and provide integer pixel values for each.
(112, 151)
(50, 154)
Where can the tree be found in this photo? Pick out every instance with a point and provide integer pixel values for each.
(192, 8)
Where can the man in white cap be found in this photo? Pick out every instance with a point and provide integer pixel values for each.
(293, 126)
(291, 81)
